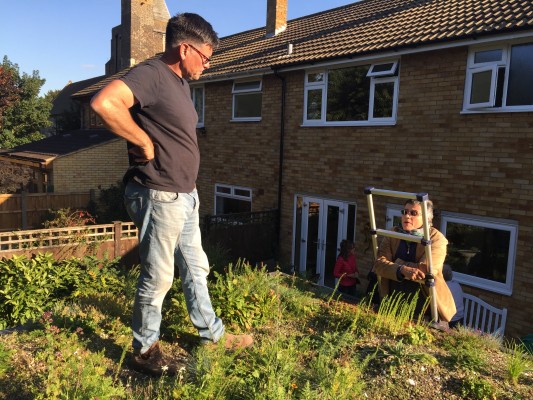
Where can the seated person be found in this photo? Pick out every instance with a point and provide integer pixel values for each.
(346, 268)
(457, 293)
(401, 265)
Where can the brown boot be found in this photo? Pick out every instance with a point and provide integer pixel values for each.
(154, 362)
(235, 342)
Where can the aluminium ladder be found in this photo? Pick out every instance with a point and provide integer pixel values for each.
(423, 240)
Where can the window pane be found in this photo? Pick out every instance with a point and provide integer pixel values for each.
(198, 98)
(481, 82)
(488, 56)
(382, 67)
(383, 99)
(242, 192)
(519, 92)
(348, 94)
(314, 104)
(247, 105)
(478, 251)
(499, 87)
(223, 189)
(230, 206)
(317, 77)
(247, 86)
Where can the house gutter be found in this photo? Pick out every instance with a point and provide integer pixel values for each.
(281, 146)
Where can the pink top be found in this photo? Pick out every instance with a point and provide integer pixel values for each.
(343, 266)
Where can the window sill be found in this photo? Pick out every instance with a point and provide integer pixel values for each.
(485, 284)
(496, 110)
(255, 119)
(352, 123)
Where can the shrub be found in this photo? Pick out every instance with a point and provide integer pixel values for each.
(65, 217)
(29, 287)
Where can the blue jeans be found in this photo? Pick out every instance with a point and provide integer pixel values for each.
(169, 236)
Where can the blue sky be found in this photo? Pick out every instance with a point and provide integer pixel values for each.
(69, 40)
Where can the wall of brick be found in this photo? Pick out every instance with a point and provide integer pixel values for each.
(95, 168)
(476, 164)
(240, 153)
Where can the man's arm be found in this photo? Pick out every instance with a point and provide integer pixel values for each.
(112, 104)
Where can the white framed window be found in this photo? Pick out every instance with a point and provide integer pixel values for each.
(499, 78)
(247, 100)
(354, 95)
(393, 216)
(481, 250)
(383, 69)
(198, 98)
(231, 199)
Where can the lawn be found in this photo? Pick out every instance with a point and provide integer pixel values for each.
(74, 339)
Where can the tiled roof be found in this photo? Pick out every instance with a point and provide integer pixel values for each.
(63, 103)
(59, 145)
(365, 27)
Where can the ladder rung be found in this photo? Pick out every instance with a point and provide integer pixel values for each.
(398, 235)
(394, 193)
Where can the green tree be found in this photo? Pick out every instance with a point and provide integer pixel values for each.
(22, 119)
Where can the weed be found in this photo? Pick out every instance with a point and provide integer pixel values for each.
(518, 361)
(475, 387)
(395, 311)
(418, 334)
(70, 370)
(468, 349)
(5, 357)
(243, 297)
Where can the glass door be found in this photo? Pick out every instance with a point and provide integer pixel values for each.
(320, 225)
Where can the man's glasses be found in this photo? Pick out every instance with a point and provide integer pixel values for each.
(205, 59)
(412, 213)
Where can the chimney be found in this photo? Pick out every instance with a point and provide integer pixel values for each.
(276, 17)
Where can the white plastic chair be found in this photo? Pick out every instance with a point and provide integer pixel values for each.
(481, 316)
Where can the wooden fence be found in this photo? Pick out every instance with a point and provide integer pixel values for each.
(27, 210)
(109, 240)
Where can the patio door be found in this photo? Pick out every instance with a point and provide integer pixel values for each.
(320, 225)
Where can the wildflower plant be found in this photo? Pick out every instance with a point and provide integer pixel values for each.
(69, 370)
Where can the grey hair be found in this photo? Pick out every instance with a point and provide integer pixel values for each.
(429, 204)
(187, 27)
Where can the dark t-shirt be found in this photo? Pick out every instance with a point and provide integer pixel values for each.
(166, 113)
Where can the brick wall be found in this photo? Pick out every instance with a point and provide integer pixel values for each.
(93, 168)
(476, 164)
(240, 153)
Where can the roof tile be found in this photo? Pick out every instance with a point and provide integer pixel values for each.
(364, 27)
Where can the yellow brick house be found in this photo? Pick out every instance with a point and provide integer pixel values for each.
(417, 96)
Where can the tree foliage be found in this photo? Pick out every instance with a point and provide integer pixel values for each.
(23, 112)
(13, 177)
(9, 92)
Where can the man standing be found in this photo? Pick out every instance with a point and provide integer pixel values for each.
(151, 108)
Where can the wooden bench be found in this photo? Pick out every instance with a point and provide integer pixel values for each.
(481, 316)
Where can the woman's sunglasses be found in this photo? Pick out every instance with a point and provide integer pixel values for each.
(412, 213)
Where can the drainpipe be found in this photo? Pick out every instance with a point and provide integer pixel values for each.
(281, 145)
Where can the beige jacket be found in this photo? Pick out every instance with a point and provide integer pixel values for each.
(386, 267)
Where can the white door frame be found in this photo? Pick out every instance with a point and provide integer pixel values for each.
(321, 240)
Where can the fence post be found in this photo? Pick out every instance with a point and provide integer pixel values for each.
(118, 237)
(24, 209)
